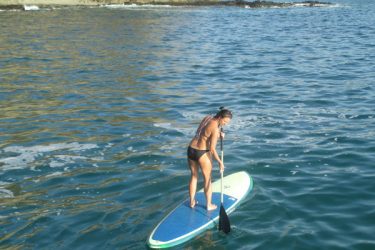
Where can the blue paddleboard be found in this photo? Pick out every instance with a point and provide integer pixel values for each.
(184, 223)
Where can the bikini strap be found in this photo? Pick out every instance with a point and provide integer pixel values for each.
(203, 124)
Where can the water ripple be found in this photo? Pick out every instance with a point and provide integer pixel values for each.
(98, 105)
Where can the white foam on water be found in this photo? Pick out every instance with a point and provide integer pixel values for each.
(31, 7)
(301, 4)
(17, 162)
(240, 139)
(73, 146)
(56, 164)
(336, 5)
(238, 123)
(70, 158)
(163, 125)
(293, 172)
(314, 5)
(174, 127)
(54, 174)
(62, 160)
(134, 6)
(115, 6)
(27, 155)
(191, 116)
(5, 193)
(167, 147)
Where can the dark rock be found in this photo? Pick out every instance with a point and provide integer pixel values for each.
(12, 7)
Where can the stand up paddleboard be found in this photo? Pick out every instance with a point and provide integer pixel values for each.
(184, 223)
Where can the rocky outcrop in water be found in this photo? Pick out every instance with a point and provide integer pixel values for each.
(12, 7)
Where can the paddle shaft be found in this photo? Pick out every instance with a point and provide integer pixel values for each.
(222, 172)
(224, 223)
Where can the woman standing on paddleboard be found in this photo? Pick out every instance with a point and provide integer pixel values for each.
(201, 150)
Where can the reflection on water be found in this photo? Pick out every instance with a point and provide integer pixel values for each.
(97, 107)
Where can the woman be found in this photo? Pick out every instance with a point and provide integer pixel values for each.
(200, 152)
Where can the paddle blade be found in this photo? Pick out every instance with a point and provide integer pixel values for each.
(224, 224)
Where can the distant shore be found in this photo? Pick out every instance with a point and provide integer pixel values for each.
(24, 4)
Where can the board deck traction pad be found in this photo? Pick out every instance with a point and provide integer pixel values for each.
(184, 223)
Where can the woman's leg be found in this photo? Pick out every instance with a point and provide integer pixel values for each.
(206, 166)
(194, 168)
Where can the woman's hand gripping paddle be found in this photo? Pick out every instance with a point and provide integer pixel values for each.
(224, 223)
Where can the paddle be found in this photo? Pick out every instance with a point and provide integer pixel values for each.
(224, 223)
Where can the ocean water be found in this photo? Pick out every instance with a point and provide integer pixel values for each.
(97, 106)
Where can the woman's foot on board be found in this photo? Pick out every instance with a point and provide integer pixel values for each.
(192, 204)
(211, 207)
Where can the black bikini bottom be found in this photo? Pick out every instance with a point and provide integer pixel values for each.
(194, 154)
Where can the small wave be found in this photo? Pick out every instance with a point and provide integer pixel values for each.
(192, 115)
(5, 193)
(130, 6)
(30, 7)
(272, 5)
(54, 174)
(312, 4)
(62, 160)
(18, 7)
(163, 125)
(28, 155)
(173, 127)
(306, 4)
(73, 146)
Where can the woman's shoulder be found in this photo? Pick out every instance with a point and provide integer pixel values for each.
(212, 124)
(206, 120)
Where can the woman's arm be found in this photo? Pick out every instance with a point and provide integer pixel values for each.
(213, 141)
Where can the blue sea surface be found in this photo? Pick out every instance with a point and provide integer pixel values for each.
(97, 106)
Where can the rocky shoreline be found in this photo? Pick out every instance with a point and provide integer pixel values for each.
(25, 5)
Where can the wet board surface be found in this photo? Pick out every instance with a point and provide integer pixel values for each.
(184, 223)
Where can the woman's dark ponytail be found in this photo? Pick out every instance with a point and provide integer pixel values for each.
(223, 113)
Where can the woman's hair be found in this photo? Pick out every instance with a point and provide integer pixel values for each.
(224, 113)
